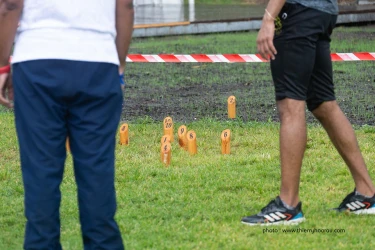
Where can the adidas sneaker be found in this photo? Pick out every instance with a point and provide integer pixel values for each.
(275, 213)
(357, 204)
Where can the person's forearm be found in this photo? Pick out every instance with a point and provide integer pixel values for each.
(10, 12)
(124, 27)
(273, 9)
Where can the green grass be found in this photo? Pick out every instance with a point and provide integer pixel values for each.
(198, 201)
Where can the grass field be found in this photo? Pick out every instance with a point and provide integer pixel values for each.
(198, 201)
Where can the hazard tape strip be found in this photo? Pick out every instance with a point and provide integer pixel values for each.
(234, 58)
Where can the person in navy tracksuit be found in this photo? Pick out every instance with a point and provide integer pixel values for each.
(67, 60)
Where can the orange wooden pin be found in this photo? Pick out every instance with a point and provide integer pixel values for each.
(168, 119)
(165, 139)
(225, 142)
(168, 127)
(124, 134)
(232, 107)
(67, 144)
(166, 153)
(192, 142)
(182, 139)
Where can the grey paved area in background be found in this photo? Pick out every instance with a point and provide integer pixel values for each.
(176, 13)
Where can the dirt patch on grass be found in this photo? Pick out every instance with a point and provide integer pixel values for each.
(193, 101)
(192, 91)
(187, 93)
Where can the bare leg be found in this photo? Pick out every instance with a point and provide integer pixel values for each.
(343, 137)
(292, 147)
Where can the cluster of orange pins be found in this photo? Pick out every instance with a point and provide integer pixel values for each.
(166, 140)
(187, 139)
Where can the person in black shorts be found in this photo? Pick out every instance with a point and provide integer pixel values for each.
(295, 37)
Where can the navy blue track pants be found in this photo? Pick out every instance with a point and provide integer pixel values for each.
(55, 99)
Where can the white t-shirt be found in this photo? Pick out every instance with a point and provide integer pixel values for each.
(78, 30)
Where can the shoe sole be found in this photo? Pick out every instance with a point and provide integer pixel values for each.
(364, 211)
(285, 223)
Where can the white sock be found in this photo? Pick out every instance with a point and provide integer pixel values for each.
(287, 206)
(358, 193)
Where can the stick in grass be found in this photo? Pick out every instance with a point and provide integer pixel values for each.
(192, 142)
(182, 137)
(168, 127)
(124, 134)
(232, 107)
(166, 154)
(225, 142)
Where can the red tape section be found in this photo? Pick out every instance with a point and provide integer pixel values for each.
(365, 56)
(201, 58)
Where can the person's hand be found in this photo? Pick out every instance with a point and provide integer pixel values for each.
(265, 39)
(121, 70)
(122, 81)
(6, 90)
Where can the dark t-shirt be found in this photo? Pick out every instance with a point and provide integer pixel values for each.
(329, 6)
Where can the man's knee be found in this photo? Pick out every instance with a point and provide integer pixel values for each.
(291, 109)
(324, 109)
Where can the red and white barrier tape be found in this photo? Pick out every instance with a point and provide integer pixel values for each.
(234, 58)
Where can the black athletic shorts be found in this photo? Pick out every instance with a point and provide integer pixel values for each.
(302, 69)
